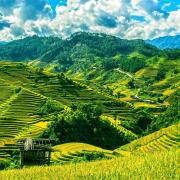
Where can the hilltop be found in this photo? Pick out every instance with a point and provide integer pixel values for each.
(67, 51)
(166, 42)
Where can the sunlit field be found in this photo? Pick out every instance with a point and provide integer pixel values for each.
(149, 166)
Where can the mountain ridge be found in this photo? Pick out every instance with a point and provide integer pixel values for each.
(166, 42)
(99, 44)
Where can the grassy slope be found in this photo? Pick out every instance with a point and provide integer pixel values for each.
(162, 165)
(71, 151)
(146, 84)
(164, 139)
(23, 91)
(159, 164)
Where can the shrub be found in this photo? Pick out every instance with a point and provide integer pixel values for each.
(161, 74)
(4, 163)
(90, 156)
(50, 106)
(17, 90)
(115, 103)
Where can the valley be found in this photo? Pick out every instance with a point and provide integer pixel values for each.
(118, 102)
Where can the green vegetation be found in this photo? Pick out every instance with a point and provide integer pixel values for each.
(170, 116)
(77, 152)
(162, 140)
(82, 123)
(91, 92)
(50, 106)
(162, 165)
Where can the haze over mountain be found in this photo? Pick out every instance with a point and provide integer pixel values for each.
(3, 42)
(166, 42)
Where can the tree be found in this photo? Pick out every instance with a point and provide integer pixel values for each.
(131, 84)
(161, 74)
(82, 123)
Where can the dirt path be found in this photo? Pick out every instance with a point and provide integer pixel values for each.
(123, 72)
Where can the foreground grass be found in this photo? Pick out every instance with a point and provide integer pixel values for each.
(150, 166)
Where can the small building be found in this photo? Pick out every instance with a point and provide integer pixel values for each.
(34, 151)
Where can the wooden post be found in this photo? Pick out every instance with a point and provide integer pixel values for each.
(21, 159)
(49, 158)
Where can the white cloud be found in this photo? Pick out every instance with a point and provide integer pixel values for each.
(166, 5)
(112, 17)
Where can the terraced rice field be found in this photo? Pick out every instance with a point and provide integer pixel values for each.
(162, 140)
(17, 119)
(19, 113)
(70, 92)
(33, 131)
(117, 124)
(18, 109)
(6, 91)
(155, 166)
(71, 151)
(51, 86)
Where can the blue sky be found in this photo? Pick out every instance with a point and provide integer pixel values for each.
(173, 4)
(131, 19)
(55, 3)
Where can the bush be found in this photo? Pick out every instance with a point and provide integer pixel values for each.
(17, 90)
(89, 156)
(4, 163)
(82, 123)
(161, 74)
(50, 106)
(115, 103)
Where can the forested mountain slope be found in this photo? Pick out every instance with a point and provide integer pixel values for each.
(166, 42)
(79, 44)
(112, 65)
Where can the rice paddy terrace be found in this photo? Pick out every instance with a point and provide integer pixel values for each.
(24, 90)
(164, 139)
(76, 151)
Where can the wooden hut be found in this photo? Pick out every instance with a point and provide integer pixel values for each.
(35, 151)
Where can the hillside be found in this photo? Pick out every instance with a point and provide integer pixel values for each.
(35, 47)
(99, 96)
(128, 69)
(79, 45)
(166, 42)
(120, 76)
(163, 165)
(31, 99)
(164, 139)
(25, 100)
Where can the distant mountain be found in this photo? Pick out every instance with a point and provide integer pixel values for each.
(78, 46)
(166, 42)
(2, 43)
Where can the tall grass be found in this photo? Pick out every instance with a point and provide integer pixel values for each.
(149, 166)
